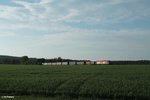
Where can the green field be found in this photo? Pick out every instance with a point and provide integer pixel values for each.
(75, 82)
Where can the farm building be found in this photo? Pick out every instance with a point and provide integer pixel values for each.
(98, 62)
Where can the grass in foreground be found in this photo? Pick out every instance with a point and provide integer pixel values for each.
(76, 82)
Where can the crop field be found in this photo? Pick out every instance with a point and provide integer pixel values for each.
(105, 82)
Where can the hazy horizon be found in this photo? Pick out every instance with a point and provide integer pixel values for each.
(76, 29)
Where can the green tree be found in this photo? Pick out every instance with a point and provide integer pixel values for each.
(59, 59)
(24, 60)
(40, 61)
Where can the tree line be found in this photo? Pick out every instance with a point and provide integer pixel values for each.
(29, 61)
(137, 62)
(38, 61)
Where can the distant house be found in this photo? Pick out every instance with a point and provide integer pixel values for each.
(103, 62)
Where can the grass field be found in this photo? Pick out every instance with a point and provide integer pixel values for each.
(75, 82)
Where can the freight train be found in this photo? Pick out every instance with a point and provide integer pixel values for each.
(87, 62)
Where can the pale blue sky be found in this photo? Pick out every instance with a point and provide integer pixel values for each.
(76, 29)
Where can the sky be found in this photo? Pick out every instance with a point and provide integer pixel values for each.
(76, 29)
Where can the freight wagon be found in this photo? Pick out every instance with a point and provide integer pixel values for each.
(102, 62)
